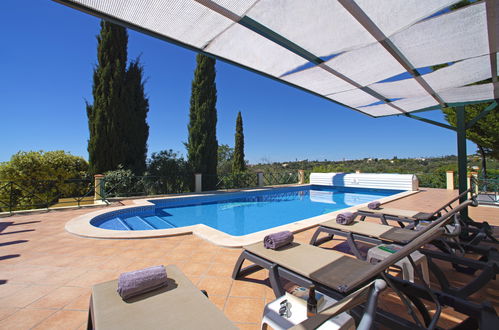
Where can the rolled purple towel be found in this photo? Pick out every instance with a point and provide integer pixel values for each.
(140, 281)
(374, 205)
(277, 240)
(345, 218)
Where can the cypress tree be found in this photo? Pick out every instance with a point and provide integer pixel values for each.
(238, 164)
(136, 130)
(117, 118)
(202, 146)
(105, 149)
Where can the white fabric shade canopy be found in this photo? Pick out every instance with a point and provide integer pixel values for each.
(343, 50)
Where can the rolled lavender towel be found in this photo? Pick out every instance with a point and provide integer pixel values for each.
(374, 205)
(140, 281)
(345, 218)
(277, 240)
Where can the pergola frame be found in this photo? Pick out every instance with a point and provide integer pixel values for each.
(365, 21)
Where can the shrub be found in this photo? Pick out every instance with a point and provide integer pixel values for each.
(36, 179)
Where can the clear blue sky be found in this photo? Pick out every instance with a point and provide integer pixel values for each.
(48, 51)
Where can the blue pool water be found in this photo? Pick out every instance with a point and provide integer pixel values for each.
(240, 213)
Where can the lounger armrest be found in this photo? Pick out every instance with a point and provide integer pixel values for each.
(369, 292)
(457, 227)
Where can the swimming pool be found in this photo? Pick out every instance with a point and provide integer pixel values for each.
(239, 213)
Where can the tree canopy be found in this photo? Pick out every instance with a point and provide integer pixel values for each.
(225, 156)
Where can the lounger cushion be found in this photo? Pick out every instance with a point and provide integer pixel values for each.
(365, 228)
(391, 211)
(179, 305)
(329, 268)
(425, 216)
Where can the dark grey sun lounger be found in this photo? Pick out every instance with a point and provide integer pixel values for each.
(411, 216)
(336, 274)
(180, 305)
(472, 231)
(374, 233)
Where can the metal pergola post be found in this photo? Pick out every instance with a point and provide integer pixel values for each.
(462, 168)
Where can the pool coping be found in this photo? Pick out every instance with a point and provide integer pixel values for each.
(81, 226)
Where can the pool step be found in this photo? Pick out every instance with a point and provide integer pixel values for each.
(158, 223)
(115, 224)
(120, 222)
(137, 223)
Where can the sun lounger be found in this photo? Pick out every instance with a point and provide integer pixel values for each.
(411, 216)
(179, 305)
(472, 231)
(336, 274)
(373, 233)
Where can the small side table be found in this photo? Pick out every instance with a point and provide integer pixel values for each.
(377, 253)
(272, 318)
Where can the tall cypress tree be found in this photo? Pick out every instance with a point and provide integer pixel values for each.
(117, 118)
(136, 130)
(202, 146)
(105, 150)
(238, 164)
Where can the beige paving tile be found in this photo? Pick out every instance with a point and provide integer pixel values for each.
(81, 302)
(221, 270)
(215, 285)
(59, 298)
(247, 289)
(25, 318)
(8, 289)
(219, 301)
(25, 296)
(202, 257)
(93, 277)
(244, 310)
(63, 276)
(116, 262)
(63, 320)
(248, 326)
(194, 268)
(7, 311)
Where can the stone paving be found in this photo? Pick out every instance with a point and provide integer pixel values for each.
(46, 274)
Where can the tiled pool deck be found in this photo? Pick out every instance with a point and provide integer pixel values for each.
(46, 273)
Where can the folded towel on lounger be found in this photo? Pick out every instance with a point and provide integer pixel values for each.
(140, 281)
(277, 240)
(345, 218)
(374, 205)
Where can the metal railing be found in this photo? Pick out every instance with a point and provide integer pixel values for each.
(277, 178)
(234, 180)
(145, 185)
(42, 194)
(487, 190)
(46, 194)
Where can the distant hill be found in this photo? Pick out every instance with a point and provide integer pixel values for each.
(430, 170)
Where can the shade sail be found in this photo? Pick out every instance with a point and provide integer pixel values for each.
(371, 56)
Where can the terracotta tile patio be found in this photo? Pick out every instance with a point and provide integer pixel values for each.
(46, 274)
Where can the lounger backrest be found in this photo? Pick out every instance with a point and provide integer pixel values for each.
(464, 193)
(426, 237)
(447, 217)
